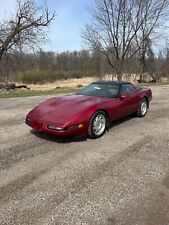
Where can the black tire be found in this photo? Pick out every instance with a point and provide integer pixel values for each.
(142, 112)
(92, 131)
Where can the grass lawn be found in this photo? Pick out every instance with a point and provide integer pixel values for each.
(26, 93)
(54, 91)
(152, 84)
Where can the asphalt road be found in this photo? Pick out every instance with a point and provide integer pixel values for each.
(121, 178)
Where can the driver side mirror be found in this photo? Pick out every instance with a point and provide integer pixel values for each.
(124, 96)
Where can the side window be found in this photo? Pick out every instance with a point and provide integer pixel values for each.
(126, 89)
(113, 91)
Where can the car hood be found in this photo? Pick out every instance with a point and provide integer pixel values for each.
(64, 108)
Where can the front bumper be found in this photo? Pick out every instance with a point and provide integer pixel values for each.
(43, 126)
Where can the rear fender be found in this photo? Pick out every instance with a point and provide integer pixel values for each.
(146, 93)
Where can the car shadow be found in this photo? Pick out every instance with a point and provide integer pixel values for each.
(121, 121)
(61, 140)
(70, 139)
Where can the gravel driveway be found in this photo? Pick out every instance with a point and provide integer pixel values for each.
(121, 178)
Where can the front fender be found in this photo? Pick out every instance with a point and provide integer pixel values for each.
(85, 115)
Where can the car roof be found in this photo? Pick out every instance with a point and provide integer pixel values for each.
(111, 82)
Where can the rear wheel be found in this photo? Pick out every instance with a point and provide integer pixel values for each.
(97, 124)
(143, 107)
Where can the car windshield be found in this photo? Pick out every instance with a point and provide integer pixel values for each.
(101, 90)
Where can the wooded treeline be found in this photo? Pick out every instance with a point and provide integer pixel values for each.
(120, 35)
(41, 66)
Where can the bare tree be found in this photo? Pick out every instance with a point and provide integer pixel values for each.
(25, 28)
(152, 29)
(117, 27)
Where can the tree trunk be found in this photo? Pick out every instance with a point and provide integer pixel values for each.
(119, 70)
(143, 66)
(119, 76)
(10, 86)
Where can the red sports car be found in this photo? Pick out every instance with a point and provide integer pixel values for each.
(90, 111)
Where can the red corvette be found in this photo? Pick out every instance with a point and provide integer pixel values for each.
(90, 111)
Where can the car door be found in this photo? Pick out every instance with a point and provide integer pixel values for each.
(129, 104)
(113, 104)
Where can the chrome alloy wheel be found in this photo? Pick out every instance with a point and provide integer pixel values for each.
(99, 125)
(143, 108)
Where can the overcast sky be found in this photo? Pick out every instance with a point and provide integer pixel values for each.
(65, 32)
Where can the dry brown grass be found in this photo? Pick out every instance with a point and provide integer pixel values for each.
(80, 82)
(74, 82)
(63, 83)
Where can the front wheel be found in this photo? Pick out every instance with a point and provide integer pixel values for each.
(143, 107)
(97, 124)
